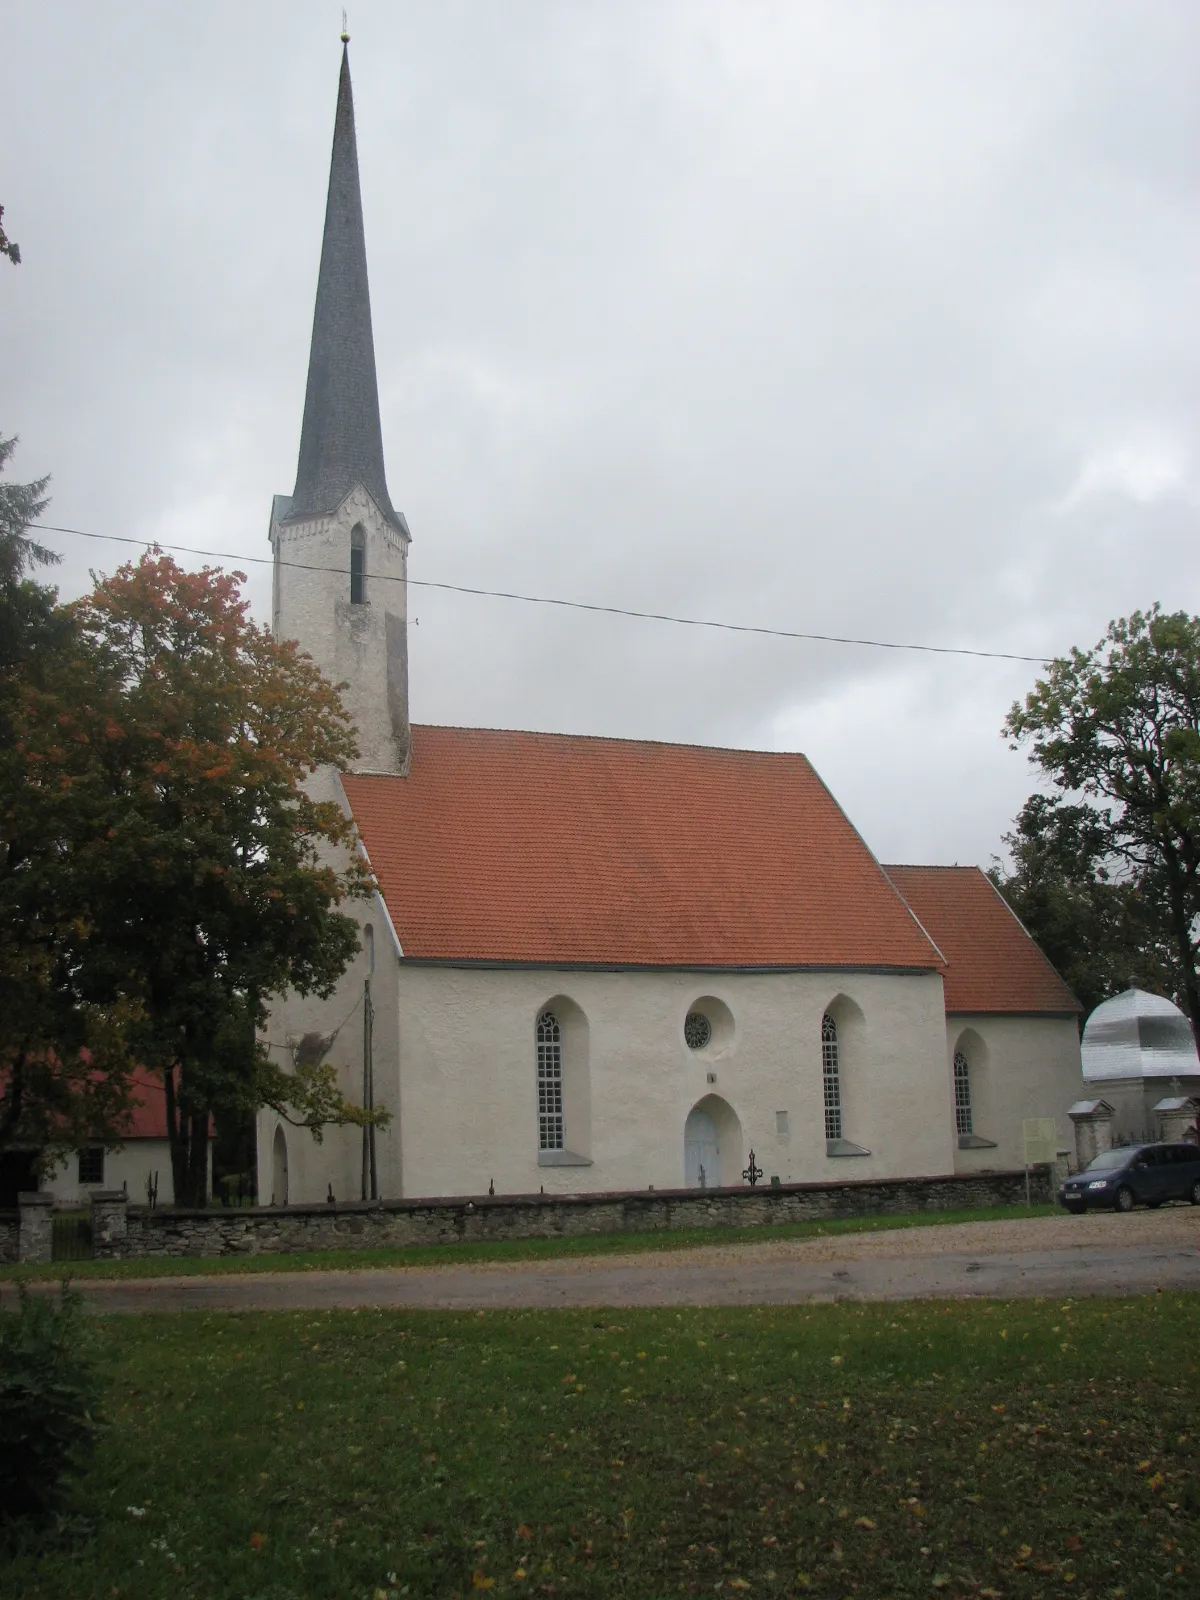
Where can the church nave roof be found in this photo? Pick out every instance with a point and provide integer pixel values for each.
(554, 848)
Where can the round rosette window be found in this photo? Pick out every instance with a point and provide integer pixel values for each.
(708, 1027)
(697, 1030)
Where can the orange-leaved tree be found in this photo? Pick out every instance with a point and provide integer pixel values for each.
(212, 879)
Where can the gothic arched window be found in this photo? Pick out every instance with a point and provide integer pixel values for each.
(962, 1093)
(831, 1076)
(358, 566)
(549, 1082)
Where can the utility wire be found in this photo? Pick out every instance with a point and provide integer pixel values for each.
(551, 600)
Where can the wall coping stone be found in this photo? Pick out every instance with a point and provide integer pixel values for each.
(598, 1197)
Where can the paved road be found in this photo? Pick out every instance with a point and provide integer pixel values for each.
(1113, 1256)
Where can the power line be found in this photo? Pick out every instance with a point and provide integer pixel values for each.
(551, 600)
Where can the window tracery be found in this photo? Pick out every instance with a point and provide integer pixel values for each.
(697, 1030)
(831, 1077)
(550, 1082)
(962, 1093)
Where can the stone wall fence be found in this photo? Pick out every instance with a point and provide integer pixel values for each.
(10, 1235)
(125, 1232)
(36, 1239)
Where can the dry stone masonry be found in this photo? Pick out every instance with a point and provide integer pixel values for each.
(399, 1224)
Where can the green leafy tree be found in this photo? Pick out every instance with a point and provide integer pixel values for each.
(1099, 927)
(1116, 730)
(211, 876)
(63, 1065)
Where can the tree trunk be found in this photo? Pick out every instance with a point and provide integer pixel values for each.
(176, 1138)
(198, 1159)
(1181, 927)
(14, 1100)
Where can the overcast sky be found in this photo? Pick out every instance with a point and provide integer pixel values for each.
(853, 318)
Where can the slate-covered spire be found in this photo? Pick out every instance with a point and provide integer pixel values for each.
(341, 443)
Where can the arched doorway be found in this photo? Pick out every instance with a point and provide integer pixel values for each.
(279, 1169)
(712, 1144)
(701, 1151)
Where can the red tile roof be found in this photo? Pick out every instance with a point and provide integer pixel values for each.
(148, 1115)
(993, 964)
(552, 849)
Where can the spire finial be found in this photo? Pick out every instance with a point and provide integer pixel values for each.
(345, 31)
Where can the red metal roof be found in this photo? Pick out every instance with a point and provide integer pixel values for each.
(993, 964)
(557, 849)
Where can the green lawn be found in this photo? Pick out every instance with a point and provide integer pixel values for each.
(927, 1449)
(511, 1249)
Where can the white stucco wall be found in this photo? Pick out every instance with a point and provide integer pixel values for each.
(1020, 1067)
(130, 1165)
(1133, 1101)
(363, 646)
(337, 1159)
(465, 1076)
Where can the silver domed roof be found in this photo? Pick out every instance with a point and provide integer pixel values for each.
(1138, 1035)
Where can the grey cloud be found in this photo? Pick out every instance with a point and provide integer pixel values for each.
(873, 319)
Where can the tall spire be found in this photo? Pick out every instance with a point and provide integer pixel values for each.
(341, 442)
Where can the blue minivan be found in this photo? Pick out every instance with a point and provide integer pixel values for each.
(1145, 1174)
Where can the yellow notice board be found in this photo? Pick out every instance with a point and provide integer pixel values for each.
(1040, 1139)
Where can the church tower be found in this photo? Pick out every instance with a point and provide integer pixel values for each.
(341, 550)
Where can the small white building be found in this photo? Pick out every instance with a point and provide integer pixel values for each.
(1138, 1050)
(140, 1163)
(602, 964)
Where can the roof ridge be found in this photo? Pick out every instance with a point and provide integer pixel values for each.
(933, 866)
(617, 738)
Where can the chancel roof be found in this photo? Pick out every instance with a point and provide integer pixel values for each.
(992, 963)
(556, 849)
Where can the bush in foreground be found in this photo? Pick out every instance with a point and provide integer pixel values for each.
(49, 1398)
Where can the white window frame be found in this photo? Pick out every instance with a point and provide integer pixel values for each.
(963, 1116)
(548, 1034)
(831, 1077)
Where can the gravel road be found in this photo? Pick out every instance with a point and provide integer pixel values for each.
(1095, 1254)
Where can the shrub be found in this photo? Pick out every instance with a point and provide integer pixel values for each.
(49, 1398)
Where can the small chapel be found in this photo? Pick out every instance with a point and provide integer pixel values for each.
(597, 964)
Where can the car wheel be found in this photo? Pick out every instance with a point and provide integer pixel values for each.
(1195, 1194)
(1124, 1200)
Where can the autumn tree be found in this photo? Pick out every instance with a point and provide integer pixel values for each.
(203, 860)
(1110, 864)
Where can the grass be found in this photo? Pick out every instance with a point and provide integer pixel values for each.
(968, 1448)
(512, 1249)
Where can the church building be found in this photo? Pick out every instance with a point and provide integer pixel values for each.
(600, 964)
